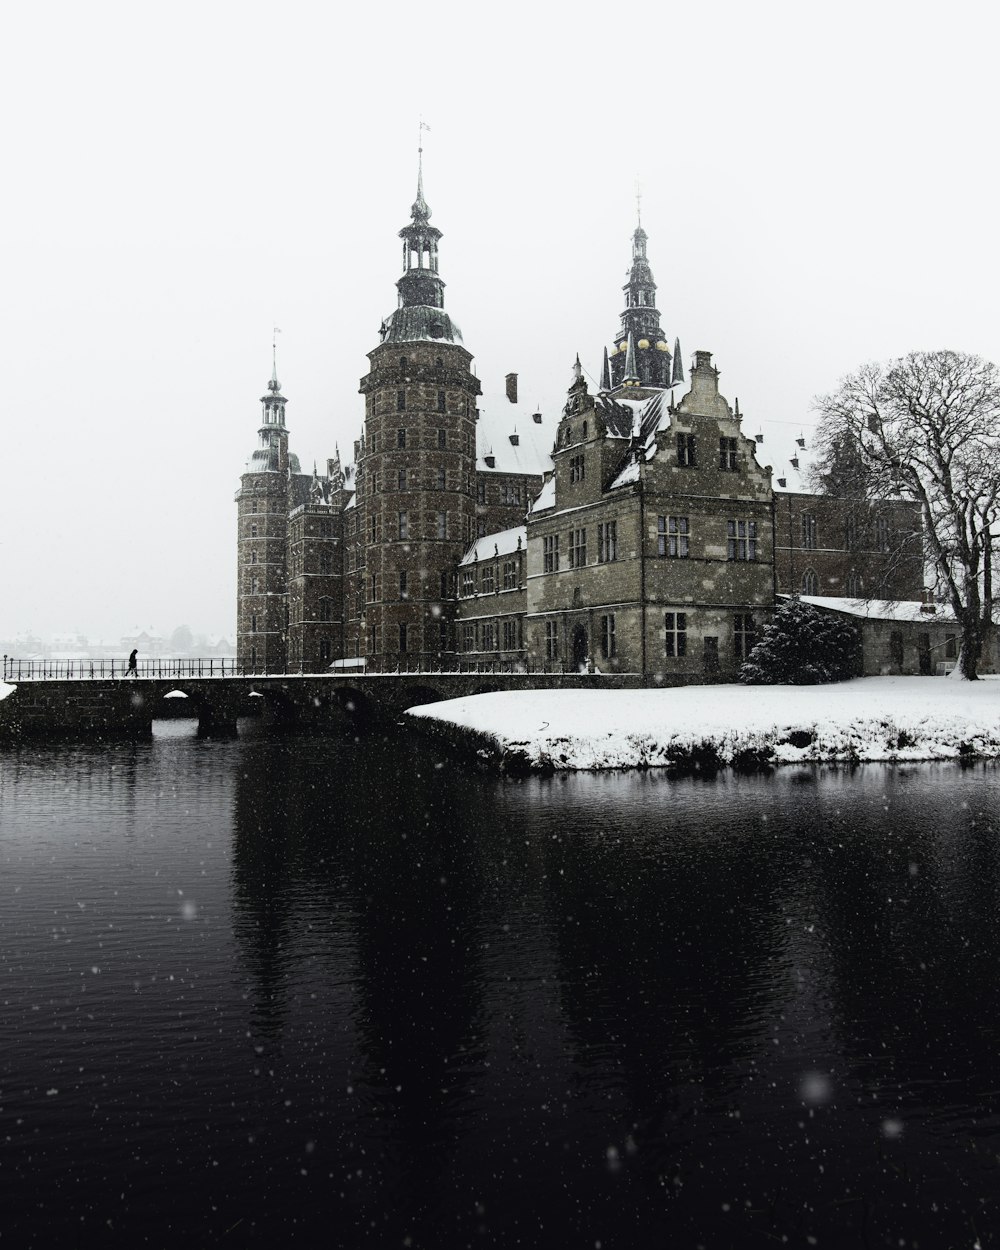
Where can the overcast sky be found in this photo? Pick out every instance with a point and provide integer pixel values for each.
(819, 189)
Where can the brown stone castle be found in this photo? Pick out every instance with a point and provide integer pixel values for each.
(637, 534)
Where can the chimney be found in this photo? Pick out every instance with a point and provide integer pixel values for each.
(537, 418)
(511, 383)
(702, 360)
(927, 602)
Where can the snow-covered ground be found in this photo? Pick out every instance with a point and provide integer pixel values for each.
(874, 718)
(5, 689)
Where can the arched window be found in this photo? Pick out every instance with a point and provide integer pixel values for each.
(810, 582)
(853, 585)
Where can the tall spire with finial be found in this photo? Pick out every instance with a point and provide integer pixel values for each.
(631, 377)
(640, 319)
(678, 363)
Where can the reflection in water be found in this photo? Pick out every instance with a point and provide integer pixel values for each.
(351, 994)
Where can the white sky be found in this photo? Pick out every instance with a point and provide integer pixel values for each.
(819, 188)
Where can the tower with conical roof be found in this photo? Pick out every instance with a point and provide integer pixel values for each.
(415, 500)
(640, 323)
(262, 540)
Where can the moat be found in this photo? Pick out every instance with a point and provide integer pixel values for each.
(328, 991)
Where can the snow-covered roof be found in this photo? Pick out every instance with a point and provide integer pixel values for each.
(882, 609)
(546, 496)
(502, 543)
(531, 455)
(628, 475)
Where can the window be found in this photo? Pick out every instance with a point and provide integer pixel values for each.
(950, 647)
(687, 451)
(509, 634)
(324, 650)
(810, 582)
(550, 554)
(487, 580)
(577, 548)
(510, 575)
(440, 479)
(325, 562)
(584, 429)
(608, 647)
(402, 584)
(401, 479)
(808, 531)
(254, 585)
(727, 454)
(326, 609)
(442, 439)
(489, 636)
(404, 525)
(552, 640)
(481, 527)
(881, 533)
(403, 632)
(850, 534)
(444, 584)
(441, 408)
(373, 588)
(742, 540)
(480, 492)
(468, 638)
(253, 531)
(744, 635)
(401, 438)
(442, 635)
(376, 527)
(253, 623)
(468, 581)
(253, 557)
(607, 541)
(853, 586)
(576, 468)
(401, 401)
(672, 534)
(510, 492)
(675, 627)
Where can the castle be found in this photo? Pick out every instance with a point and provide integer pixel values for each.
(637, 533)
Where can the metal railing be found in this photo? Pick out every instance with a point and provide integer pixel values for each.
(15, 670)
(77, 670)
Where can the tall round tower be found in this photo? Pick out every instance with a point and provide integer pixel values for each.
(262, 543)
(415, 479)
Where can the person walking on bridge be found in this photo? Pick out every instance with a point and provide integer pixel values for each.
(133, 668)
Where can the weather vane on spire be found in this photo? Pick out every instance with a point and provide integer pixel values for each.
(638, 202)
(274, 351)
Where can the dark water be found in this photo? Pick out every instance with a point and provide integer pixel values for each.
(338, 994)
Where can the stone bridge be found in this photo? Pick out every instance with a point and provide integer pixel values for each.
(126, 707)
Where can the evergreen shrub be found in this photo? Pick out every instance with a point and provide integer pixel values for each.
(803, 646)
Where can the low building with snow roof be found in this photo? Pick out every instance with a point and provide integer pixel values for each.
(908, 638)
(493, 600)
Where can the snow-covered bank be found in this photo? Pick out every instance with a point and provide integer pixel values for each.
(6, 689)
(875, 718)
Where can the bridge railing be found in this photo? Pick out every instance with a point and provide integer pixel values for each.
(15, 670)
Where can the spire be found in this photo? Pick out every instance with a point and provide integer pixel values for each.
(420, 286)
(577, 371)
(606, 373)
(630, 371)
(678, 364)
(421, 209)
(274, 385)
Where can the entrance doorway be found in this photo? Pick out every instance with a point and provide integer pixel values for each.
(579, 648)
(711, 655)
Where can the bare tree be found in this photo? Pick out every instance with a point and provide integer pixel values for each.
(927, 428)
